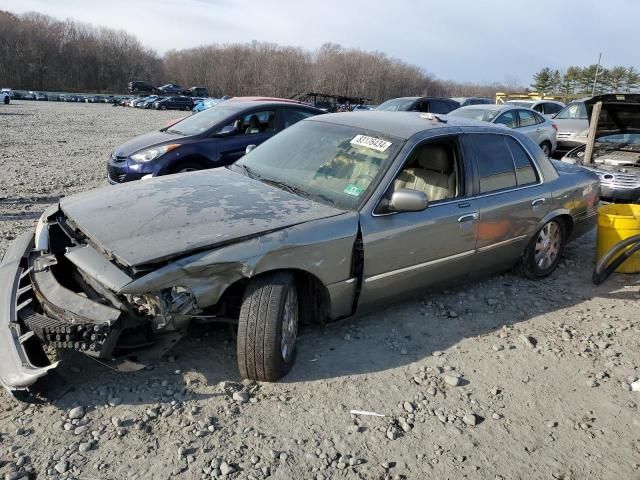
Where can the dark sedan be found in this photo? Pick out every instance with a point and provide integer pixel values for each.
(174, 103)
(419, 104)
(215, 137)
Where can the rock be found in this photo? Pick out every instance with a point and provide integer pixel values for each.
(592, 383)
(241, 397)
(497, 348)
(408, 407)
(85, 447)
(16, 475)
(61, 467)
(452, 380)
(76, 413)
(226, 469)
(183, 451)
(528, 341)
(392, 433)
(437, 353)
(470, 419)
(80, 430)
(552, 424)
(492, 302)
(496, 416)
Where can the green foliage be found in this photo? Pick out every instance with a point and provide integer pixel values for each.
(579, 80)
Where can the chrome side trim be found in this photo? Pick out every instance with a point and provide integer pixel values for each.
(379, 276)
(500, 244)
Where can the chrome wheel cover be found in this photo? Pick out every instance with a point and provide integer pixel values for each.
(547, 245)
(289, 325)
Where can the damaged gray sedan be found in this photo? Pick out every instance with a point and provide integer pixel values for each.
(336, 215)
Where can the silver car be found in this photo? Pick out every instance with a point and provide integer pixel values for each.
(548, 108)
(337, 215)
(538, 128)
(573, 126)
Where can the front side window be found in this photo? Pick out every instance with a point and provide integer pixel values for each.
(551, 108)
(258, 122)
(575, 110)
(495, 163)
(397, 105)
(332, 164)
(527, 118)
(508, 119)
(485, 115)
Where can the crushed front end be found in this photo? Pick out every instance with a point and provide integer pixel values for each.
(59, 291)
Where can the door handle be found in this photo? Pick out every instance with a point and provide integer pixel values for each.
(464, 205)
(537, 202)
(468, 218)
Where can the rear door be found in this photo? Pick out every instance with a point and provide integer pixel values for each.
(529, 125)
(511, 197)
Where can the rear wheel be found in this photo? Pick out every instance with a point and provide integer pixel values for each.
(268, 327)
(163, 107)
(546, 148)
(542, 255)
(187, 108)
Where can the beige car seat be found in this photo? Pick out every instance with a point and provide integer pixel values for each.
(435, 174)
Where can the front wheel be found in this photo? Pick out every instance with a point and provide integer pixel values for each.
(163, 107)
(268, 327)
(542, 255)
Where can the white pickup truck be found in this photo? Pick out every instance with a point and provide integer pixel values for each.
(5, 96)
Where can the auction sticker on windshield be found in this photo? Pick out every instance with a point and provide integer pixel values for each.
(353, 190)
(370, 142)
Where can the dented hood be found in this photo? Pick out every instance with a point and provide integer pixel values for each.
(152, 220)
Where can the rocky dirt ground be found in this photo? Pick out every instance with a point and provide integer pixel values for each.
(500, 379)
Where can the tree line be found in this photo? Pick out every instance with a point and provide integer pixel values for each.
(38, 52)
(580, 80)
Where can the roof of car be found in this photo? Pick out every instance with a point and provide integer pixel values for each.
(265, 99)
(490, 106)
(398, 124)
(263, 102)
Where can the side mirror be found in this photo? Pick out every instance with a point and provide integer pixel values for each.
(408, 200)
(249, 149)
(227, 131)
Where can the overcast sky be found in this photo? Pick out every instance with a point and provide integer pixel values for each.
(462, 40)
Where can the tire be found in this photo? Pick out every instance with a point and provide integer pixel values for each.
(543, 254)
(187, 167)
(270, 302)
(163, 107)
(6, 100)
(546, 148)
(187, 108)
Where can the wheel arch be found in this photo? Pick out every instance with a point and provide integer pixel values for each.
(315, 300)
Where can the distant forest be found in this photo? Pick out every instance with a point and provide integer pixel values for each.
(580, 80)
(38, 52)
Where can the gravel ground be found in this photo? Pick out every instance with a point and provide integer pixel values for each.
(500, 379)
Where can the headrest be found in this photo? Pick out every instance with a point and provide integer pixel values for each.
(435, 157)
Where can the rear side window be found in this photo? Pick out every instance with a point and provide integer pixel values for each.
(526, 173)
(291, 116)
(551, 108)
(527, 118)
(539, 118)
(538, 108)
(438, 106)
(495, 163)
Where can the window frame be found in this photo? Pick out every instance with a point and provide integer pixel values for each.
(468, 142)
(465, 173)
(535, 119)
(516, 119)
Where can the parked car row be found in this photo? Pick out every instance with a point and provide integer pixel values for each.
(140, 86)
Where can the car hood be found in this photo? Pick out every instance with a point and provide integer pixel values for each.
(620, 113)
(153, 220)
(570, 124)
(145, 141)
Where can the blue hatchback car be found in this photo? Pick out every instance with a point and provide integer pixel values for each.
(215, 137)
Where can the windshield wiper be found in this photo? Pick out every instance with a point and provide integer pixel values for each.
(175, 132)
(249, 171)
(295, 190)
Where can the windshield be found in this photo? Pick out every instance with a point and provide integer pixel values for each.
(332, 164)
(632, 138)
(396, 105)
(485, 115)
(203, 121)
(573, 111)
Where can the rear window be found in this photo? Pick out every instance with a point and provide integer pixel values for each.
(495, 163)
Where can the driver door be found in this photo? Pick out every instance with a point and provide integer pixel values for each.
(405, 252)
(249, 132)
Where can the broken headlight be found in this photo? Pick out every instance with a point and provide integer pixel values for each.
(167, 307)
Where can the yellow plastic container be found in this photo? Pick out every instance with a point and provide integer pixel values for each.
(615, 223)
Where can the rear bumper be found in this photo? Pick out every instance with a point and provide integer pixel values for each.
(584, 223)
(613, 194)
(17, 369)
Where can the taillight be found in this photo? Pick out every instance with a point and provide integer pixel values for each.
(554, 126)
